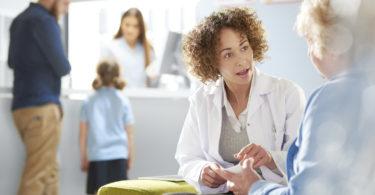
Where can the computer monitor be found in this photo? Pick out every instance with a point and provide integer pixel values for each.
(172, 62)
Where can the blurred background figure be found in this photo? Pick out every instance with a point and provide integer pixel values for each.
(106, 130)
(37, 58)
(131, 49)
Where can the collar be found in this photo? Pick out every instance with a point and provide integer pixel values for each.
(40, 7)
(226, 103)
(261, 85)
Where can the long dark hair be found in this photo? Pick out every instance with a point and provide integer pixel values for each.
(142, 36)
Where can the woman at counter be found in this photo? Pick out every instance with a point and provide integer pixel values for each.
(131, 49)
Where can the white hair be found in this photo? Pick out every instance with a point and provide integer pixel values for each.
(342, 27)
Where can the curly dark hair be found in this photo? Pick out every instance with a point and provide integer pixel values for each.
(200, 45)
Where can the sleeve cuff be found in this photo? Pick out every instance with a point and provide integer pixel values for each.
(262, 187)
(257, 186)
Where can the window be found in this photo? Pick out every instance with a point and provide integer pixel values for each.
(92, 23)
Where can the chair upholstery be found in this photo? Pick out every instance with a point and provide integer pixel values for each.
(145, 187)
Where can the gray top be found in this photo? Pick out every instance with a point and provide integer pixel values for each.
(231, 141)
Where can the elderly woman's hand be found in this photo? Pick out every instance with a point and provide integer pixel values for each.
(210, 177)
(240, 183)
(260, 155)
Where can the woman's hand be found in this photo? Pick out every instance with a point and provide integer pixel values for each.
(209, 176)
(240, 183)
(260, 155)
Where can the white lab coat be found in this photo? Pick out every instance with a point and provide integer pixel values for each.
(274, 114)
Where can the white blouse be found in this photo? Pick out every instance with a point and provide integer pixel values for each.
(131, 61)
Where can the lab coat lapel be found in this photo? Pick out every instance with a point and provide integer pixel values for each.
(259, 88)
(215, 118)
(256, 101)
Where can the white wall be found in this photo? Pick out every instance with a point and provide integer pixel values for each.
(13, 6)
(287, 55)
(8, 9)
(157, 128)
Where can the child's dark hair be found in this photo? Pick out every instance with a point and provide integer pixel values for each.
(108, 74)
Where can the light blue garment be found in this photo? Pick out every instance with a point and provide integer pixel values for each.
(106, 113)
(334, 152)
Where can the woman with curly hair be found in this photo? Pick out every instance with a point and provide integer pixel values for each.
(240, 112)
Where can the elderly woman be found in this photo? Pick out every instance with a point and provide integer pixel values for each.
(333, 153)
(240, 109)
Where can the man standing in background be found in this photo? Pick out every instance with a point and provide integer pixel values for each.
(37, 57)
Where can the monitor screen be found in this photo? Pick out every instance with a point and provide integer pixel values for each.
(172, 62)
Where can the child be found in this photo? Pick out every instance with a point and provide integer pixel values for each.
(106, 130)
